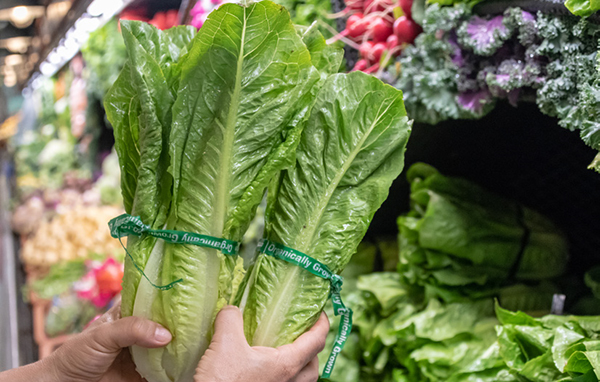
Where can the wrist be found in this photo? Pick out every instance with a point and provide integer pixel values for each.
(49, 370)
(41, 371)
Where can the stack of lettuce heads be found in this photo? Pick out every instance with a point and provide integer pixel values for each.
(203, 125)
(460, 242)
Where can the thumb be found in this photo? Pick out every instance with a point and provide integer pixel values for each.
(113, 336)
(229, 327)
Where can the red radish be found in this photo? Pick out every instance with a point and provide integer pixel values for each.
(406, 30)
(379, 29)
(365, 50)
(357, 17)
(357, 28)
(406, 6)
(372, 51)
(392, 42)
(361, 65)
(377, 51)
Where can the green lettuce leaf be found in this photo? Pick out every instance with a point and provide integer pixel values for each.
(139, 108)
(348, 156)
(326, 58)
(582, 7)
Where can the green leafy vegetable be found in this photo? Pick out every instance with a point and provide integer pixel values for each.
(459, 242)
(104, 54)
(550, 348)
(202, 125)
(59, 279)
(348, 155)
(582, 8)
(433, 320)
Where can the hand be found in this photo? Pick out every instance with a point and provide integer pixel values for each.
(99, 355)
(229, 358)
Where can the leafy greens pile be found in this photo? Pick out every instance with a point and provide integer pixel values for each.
(551, 348)
(460, 242)
(203, 124)
(461, 341)
(463, 63)
(433, 319)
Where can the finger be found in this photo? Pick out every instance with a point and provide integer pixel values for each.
(310, 373)
(111, 315)
(113, 336)
(229, 326)
(308, 345)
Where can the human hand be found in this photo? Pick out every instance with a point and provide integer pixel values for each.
(99, 355)
(229, 358)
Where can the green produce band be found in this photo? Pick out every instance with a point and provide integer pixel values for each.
(321, 270)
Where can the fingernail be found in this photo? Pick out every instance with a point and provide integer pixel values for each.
(162, 334)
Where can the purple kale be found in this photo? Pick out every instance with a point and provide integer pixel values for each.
(484, 36)
(524, 23)
(482, 31)
(456, 56)
(476, 101)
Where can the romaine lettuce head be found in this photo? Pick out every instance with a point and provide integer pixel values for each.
(350, 152)
(460, 241)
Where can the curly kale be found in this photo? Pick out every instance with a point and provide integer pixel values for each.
(570, 45)
(428, 80)
(462, 64)
(444, 19)
(430, 69)
(525, 23)
(589, 104)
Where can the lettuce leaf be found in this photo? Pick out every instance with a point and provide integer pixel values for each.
(582, 8)
(138, 106)
(349, 154)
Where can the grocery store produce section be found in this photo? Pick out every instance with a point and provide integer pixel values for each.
(474, 125)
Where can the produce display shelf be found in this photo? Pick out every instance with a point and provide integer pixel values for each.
(40, 309)
(46, 345)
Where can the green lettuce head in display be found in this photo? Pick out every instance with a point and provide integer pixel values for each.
(461, 242)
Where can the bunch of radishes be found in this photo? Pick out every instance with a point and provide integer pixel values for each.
(379, 29)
